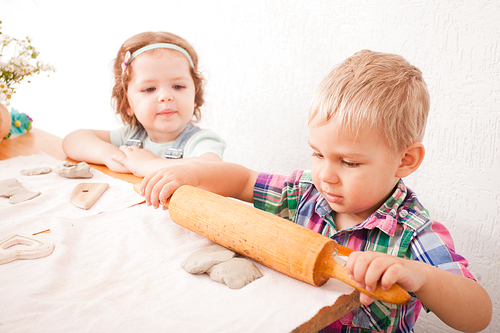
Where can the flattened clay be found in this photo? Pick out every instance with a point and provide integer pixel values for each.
(32, 248)
(73, 170)
(201, 260)
(16, 193)
(35, 171)
(235, 273)
(84, 195)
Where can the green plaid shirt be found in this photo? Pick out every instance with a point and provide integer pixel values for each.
(400, 227)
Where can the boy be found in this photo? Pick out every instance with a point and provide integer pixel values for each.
(367, 122)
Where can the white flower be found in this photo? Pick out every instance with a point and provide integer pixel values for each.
(19, 66)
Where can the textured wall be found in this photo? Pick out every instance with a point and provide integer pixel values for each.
(263, 61)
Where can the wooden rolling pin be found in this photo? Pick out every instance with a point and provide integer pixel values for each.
(266, 238)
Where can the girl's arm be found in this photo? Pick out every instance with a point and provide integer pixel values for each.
(93, 146)
(227, 179)
(459, 302)
(142, 162)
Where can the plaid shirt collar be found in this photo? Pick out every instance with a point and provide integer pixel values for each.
(385, 218)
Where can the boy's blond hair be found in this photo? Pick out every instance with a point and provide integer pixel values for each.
(379, 90)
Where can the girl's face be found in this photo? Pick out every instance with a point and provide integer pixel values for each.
(161, 93)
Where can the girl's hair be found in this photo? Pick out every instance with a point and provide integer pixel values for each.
(378, 90)
(119, 97)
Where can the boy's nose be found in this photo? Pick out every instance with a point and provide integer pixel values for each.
(328, 175)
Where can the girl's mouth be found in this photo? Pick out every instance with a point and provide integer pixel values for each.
(166, 112)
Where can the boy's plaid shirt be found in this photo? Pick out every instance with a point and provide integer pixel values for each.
(400, 227)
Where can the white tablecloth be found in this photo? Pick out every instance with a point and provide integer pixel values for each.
(118, 269)
(36, 214)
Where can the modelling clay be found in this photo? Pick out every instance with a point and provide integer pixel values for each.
(235, 273)
(16, 193)
(17, 247)
(73, 170)
(35, 171)
(222, 266)
(201, 260)
(84, 195)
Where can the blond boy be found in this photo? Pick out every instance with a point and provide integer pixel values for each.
(367, 122)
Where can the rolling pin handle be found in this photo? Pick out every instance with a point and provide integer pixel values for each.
(332, 268)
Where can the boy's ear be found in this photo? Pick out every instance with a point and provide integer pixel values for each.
(411, 159)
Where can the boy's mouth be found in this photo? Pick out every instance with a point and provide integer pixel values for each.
(332, 198)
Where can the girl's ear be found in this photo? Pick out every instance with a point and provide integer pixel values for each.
(130, 112)
(411, 159)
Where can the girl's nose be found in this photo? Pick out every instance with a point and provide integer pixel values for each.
(165, 96)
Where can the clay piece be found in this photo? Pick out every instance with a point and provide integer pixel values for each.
(222, 266)
(235, 273)
(73, 170)
(202, 260)
(36, 171)
(17, 247)
(84, 195)
(16, 193)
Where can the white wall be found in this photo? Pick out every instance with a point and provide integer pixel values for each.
(263, 61)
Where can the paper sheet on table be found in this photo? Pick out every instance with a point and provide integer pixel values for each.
(121, 271)
(54, 201)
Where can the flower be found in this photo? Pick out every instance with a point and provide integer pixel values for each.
(20, 65)
(21, 123)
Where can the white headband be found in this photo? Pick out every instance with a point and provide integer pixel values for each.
(129, 58)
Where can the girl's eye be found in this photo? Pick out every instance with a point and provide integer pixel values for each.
(151, 89)
(350, 164)
(178, 86)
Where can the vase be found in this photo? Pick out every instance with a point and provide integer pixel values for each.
(5, 121)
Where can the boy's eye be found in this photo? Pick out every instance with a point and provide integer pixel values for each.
(317, 155)
(350, 164)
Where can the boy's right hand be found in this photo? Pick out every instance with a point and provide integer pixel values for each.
(159, 185)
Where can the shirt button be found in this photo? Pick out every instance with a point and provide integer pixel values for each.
(403, 213)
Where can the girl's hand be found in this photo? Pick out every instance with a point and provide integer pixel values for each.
(367, 268)
(113, 165)
(135, 159)
(159, 185)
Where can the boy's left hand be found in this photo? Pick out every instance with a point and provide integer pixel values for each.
(367, 268)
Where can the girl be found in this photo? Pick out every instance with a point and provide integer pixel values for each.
(158, 93)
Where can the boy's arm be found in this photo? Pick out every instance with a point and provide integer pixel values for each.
(93, 146)
(226, 179)
(459, 302)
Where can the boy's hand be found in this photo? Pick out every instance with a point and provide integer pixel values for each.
(159, 185)
(367, 268)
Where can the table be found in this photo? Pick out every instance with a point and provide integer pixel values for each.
(37, 140)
